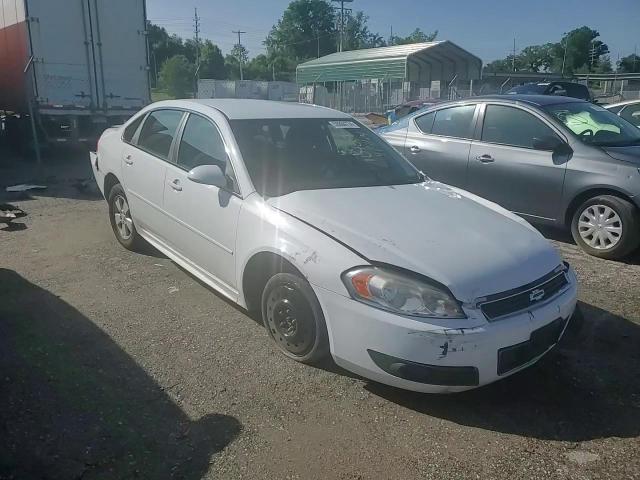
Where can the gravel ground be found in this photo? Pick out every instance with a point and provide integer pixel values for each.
(120, 365)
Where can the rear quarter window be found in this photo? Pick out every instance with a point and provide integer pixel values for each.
(130, 130)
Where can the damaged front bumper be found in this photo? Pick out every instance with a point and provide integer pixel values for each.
(415, 355)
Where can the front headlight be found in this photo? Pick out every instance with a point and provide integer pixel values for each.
(401, 293)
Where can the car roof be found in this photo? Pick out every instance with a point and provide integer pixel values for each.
(246, 109)
(537, 100)
(619, 104)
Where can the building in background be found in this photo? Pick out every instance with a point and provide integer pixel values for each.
(375, 79)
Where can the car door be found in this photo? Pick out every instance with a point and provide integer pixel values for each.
(506, 167)
(438, 143)
(145, 158)
(202, 219)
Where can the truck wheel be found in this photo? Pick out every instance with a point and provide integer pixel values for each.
(293, 318)
(121, 221)
(606, 227)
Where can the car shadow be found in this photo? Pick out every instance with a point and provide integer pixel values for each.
(584, 389)
(73, 404)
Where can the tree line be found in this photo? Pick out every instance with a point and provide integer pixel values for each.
(579, 51)
(308, 29)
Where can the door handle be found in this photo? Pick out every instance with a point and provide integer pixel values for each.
(486, 158)
(175, 185)
(414, 149)
(127, 160)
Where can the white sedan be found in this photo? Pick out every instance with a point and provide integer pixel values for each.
(300, 213)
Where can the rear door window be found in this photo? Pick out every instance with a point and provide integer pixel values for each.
(454, 122)
(131, 129)
(425, 122)
(512, 126)
(158, 132)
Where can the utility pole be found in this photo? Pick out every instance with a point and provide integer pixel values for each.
(196, 25)
(239, 32)
(197, 34)
(592, 57)
(391, 36)
(564, 57)
(342, 11)
(513, 59)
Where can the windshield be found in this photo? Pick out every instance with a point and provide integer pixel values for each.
(286, 155)
(595, 125)
(528, 89)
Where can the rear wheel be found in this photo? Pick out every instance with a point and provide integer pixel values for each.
(121, 221)
(293, 318)
(607, 227)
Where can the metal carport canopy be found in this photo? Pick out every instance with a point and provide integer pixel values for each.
(381, 63)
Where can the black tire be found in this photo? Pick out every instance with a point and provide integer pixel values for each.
(293, 318)
(132, 241)
(628, 241)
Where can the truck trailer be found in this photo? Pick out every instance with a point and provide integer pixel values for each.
(73, 66)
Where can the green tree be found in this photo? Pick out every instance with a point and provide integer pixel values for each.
(357, 34)
(417, 36)
(161, 47)
(536, 58)
(629, 64)
(232, 62)
(211, 61)
(504, 65)
(580, 46)
(306, 27)
(177, 76)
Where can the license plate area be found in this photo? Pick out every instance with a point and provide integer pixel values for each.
(510, 358)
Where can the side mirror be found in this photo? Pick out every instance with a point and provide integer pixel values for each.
(209, 175)
(551, 143)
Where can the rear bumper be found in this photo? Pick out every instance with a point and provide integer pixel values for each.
(409, 353)
(97, 173)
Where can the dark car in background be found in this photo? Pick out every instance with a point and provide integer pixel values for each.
(566, 89)
(554, 160)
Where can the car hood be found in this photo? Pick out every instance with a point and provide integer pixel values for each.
(472, 246)
(626, 154)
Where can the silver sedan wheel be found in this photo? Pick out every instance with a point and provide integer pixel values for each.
(600, 227)
(122, 217)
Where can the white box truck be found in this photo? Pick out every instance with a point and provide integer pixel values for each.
(78, 65)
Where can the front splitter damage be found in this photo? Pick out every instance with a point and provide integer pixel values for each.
(451, 340)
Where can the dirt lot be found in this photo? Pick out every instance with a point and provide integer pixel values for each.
(120, 365)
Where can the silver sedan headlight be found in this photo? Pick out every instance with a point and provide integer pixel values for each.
(401, 293)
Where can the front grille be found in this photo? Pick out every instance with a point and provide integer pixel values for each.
(525, 297)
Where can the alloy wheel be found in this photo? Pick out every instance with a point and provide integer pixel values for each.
(122, 217)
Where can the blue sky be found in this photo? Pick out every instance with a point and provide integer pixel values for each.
(485, 28)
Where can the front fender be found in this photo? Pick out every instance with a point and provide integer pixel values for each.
(262, 228)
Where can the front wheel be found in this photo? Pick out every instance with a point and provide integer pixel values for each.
(606, 227)
(293, 318)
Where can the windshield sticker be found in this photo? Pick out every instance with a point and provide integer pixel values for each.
(343, 124)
